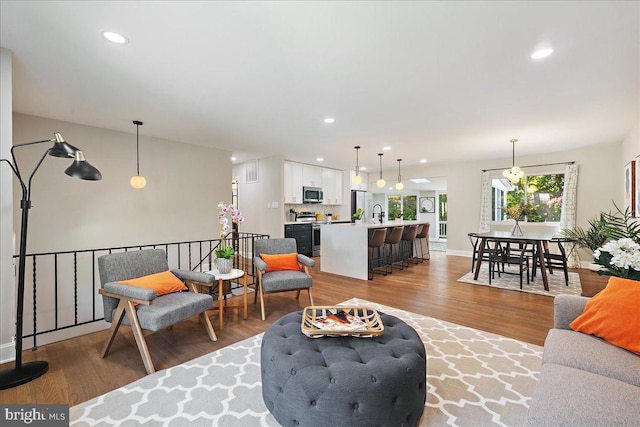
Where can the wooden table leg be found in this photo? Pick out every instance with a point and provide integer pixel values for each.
(479, 260)
(221, 302)
(543, 266)
(246, 312)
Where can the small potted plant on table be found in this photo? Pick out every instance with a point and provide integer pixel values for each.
(357, 217)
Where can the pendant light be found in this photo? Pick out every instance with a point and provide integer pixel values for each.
(357, 179)
(380, 183)
(399, 184)
(514, 174)
(137, 181)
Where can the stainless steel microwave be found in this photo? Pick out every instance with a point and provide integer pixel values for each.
(311, 195)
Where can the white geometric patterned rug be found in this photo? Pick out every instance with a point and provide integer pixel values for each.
(557, 285)
(474, 378)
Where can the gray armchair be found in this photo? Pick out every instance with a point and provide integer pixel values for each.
(153, 312)
(280, 281)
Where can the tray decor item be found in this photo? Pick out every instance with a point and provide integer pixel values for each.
(338, 321)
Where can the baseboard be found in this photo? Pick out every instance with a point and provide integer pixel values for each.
(467, 254)
(7, 352)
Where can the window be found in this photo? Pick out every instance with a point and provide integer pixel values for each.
(403, 204)
(542, 193)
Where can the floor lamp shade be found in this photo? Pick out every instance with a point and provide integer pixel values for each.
(81, 169)
(22, 373)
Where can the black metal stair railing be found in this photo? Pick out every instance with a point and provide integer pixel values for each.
(63, 286)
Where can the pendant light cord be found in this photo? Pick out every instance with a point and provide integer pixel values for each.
(357, 147)
(380, 155)
(137, 123)
(399, 176)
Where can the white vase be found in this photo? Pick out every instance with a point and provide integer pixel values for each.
(224, 265)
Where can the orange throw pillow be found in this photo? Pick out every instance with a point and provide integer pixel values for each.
(614, 314)
(163, 283)
(281, 261)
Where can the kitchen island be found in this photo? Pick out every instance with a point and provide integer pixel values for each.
(345, 249)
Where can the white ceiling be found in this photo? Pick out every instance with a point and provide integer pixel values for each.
(436, 80)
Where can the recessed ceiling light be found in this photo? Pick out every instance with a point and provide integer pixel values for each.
(386, 148)
(329, 120)
(363, 168)
(320, 159)
(419, 180)
(115, 37)
(541, 53)
(423, 160)
(233, 159)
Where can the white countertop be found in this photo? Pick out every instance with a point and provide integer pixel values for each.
(384, 224)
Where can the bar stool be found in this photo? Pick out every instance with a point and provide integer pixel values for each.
(393, 240)
(408, 240)
(376, 242)
(423, 234)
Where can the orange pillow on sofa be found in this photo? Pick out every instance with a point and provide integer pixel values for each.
(163, 283)
(613, 314)
(281, 261)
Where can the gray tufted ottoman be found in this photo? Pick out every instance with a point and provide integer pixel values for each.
(343, 381)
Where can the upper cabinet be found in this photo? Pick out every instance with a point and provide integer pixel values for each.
(293, 182)
(332, 186)
(298, 175)
(311, 176)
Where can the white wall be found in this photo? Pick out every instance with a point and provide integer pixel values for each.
(185, 182)
(7, 288)
(599, 183)
(257, 200)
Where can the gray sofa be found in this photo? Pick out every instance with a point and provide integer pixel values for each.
(584, 380)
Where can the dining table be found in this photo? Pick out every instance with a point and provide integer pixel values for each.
(538, 240)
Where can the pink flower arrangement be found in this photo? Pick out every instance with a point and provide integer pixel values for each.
(235, 216)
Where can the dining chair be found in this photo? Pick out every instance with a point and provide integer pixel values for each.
(508, 255)
(557, 260)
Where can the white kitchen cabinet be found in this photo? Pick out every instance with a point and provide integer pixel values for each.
(293, 182)
(332, 186)
(311, 176)
(298, 175)
(328, 187)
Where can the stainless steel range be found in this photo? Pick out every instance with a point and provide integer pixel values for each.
(315, 230)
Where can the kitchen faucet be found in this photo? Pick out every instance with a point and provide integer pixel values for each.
(379, 214)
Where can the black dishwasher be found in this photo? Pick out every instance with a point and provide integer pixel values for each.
(302, 234)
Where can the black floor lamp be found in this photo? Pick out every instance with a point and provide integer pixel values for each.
(24, 372)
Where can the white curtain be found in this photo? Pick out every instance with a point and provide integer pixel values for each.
(569, 207)
(485, 203)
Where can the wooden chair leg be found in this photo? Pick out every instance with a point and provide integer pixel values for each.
(115, 324)
(262, 303)
(137, 333)
(261, 295)
(310, 297)
(208, 326)
(298, 294)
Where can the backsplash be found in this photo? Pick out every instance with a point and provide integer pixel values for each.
(340, 212)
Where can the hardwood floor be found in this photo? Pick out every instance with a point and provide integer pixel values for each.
(77, 373)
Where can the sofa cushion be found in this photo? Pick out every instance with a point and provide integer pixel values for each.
(613, 314)
(591, 354)
(566, 396)
(170, 309)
